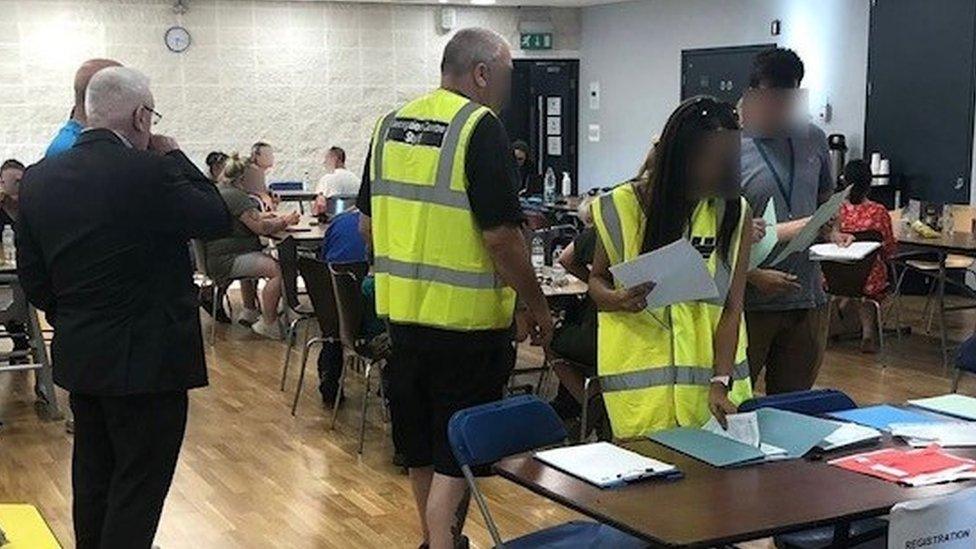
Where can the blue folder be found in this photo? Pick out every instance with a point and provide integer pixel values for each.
(883, 416)
(795, 433)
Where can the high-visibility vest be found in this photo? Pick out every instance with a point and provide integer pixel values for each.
(431, 264)
(655, 366)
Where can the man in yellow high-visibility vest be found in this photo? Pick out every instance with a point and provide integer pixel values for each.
(439, 208)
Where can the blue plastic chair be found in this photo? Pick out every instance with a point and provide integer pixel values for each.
(855, 534)
(812, 403)
(965, 361)
(487, 433)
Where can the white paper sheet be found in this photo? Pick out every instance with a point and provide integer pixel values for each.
(809, 233)
(946, 434)
(761, 250)
(743, 428)
(678, 271)
(848, 434)
(832, 252)
(604, 464)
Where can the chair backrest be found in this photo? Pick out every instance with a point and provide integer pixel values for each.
(847, 279)
(813, 402)
(335, 205)
(966, 356)
(288, 261)
(199, 250)
(947, 522)
(347, 286)
(318, 283)
(489, 432)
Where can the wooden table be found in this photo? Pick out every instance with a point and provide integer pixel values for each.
(712, 506)
(304, 232)
(956, 243)
(571, 287)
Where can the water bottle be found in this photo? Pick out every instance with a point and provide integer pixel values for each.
(538, 253)
(567, 186)
(306, 182)
(549, 188)
(558, 271)
(9, 248)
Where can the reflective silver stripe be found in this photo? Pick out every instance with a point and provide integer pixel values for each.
(666, 375)
(378, 146)
(445, 165)
(441, 192)
(611, 220)
(432, 273)
(420, 193)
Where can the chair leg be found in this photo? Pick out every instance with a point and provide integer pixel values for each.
(290, 344)
(386, 409)
(362, 420)
(213, 314)
(342, 382)
(879, 322)
(301, 373)
(926, 314)
(584, 413)
(943, 334)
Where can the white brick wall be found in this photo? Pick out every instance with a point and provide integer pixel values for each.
(300, 75)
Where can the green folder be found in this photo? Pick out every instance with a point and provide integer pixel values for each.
(954, 405)
(795, 433)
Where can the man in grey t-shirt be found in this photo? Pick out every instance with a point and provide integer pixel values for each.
(788, 164)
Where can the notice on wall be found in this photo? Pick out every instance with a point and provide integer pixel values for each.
(554, 125)
(555, 147)
(593, 133)
(554, 106)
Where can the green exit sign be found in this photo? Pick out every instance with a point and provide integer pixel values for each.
(536, 41)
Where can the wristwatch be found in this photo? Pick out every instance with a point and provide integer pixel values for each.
(724, 381)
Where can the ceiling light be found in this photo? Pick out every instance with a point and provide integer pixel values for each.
(482, 2)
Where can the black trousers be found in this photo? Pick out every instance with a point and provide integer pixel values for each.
(125, 452)
(330, 368)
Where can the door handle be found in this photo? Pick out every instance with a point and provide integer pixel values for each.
(960, 183)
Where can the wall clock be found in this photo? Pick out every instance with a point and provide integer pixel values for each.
(177, 39)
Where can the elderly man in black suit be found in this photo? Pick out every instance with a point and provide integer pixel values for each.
(102, 249)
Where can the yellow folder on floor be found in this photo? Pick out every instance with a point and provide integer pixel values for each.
(24, 528)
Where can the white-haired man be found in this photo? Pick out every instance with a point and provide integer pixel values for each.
(439, 204)
(102, 249)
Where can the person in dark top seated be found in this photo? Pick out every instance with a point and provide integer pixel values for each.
(344, 245)
(216, 161)
(530, 182)
(11, 171)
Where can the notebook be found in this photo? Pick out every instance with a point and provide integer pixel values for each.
(945, 434)
(606, 465)
(882, 416)
(781, 435)
(954, 405)
(832, 252)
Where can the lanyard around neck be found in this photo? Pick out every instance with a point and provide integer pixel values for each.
(785, 190)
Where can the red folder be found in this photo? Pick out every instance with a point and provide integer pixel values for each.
(913, 467)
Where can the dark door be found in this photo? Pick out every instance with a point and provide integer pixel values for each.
(544, 112)
(920, 95)
(720, 72)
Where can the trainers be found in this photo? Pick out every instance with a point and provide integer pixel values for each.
(270, 330)
(248, 317)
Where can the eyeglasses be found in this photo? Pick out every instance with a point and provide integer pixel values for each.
(156, 117)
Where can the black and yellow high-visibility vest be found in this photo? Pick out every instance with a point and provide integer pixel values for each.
(655, 366)
(431, 265)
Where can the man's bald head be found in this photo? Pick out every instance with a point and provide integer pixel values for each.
(477, 63)
(83, 76)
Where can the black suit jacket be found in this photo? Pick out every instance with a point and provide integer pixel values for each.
(102, 249)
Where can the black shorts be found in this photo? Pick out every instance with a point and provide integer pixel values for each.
(426, 387)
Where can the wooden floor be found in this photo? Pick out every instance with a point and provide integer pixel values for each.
(250, 475)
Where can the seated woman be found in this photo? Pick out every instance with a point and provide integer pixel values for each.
(681, 364)
(858, 214)
(241, 254)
